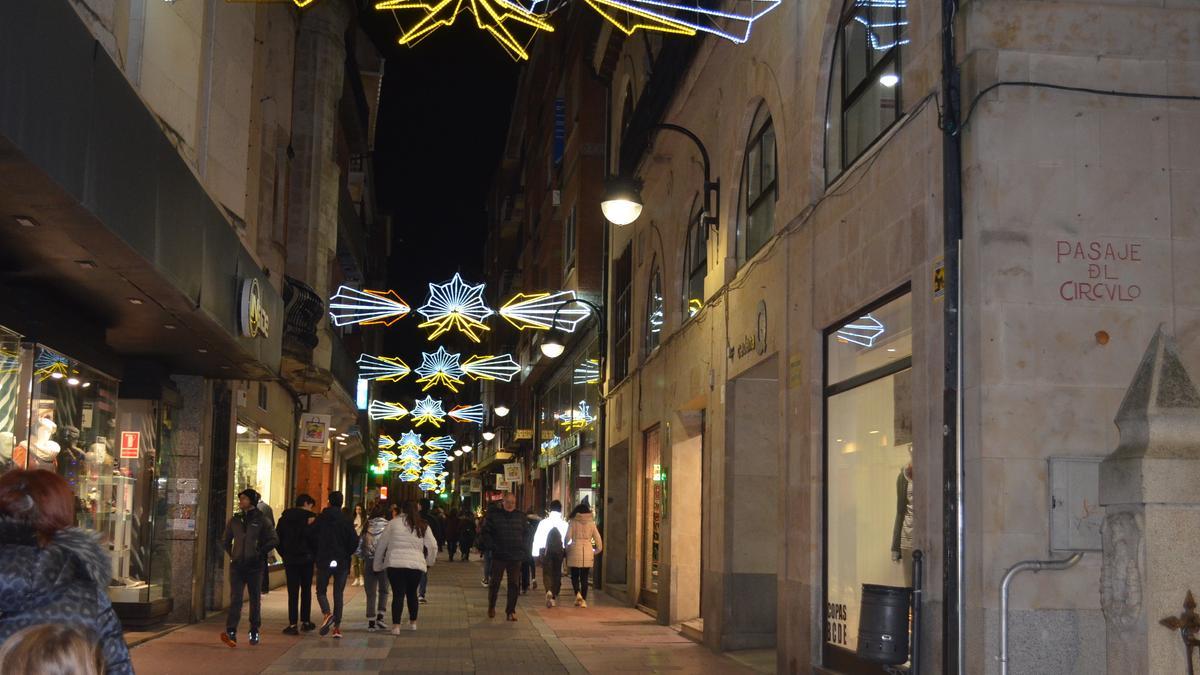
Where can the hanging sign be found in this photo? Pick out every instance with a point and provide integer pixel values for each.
(314, 429)
(502, 483)
(512, 472)
(476, 484)
(131, 444)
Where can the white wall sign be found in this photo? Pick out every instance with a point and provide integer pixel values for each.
(314, 429)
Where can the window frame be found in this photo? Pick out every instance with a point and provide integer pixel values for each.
(746, 204)
(696, 242)
(654, 282)
(570, 232)
(622, 313)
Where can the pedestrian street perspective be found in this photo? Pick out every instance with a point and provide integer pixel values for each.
(523, 336)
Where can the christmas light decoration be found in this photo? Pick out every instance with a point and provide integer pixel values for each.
(440, 367)
(551, 444)
(382, 368)
(577, 418)
(386, 442)
(429, 411)
(352, 306)
(439, 443)
(539, 310)
(455, 304)
(684, 19)
(382, 410)
(497, 17)
(491, 368)
(468, 413)
(587, 372)
(410, 439)
(863, 331)
(436, 457)
(50, 365)
(410, 476)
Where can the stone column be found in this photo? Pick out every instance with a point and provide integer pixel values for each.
(1150, 488)
(183, 473)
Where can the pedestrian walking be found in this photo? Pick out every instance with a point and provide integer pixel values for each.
(529, 564)
(269, 514)
(434, 523)
(503, 534)
(360, 526)
(51, 648)
(376, 582)
(583, 543)
(248, 537)
(406, 549)
(52, 572)
(296, 550)
(335, 541)
(466, 533)
(452, 525)
(548, 545)
(484, 546)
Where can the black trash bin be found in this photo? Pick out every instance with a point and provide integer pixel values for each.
(883, 624)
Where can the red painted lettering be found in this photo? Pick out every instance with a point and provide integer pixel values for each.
(1064, 249)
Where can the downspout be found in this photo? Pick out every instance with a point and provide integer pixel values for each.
(953, 521)
(1036, 566)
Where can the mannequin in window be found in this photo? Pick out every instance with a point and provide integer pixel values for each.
(7, 441)
(902, 531)
(71, 459)
(40, 452)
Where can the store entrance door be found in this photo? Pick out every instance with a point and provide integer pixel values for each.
(652, 512)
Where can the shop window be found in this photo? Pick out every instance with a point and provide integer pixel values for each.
(10, 392)
(695, 266)
(869, 467)
(622, 280)
(567, 424)
(569, 243)
(654, 310)
(756, 218)
(652, 514)
(261, 464)
(865, 81)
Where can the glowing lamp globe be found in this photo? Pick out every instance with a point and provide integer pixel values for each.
(501, 411)
(622, 203)
(553, 348)
(488, 435)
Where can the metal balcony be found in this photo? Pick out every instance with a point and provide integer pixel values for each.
(304, 309)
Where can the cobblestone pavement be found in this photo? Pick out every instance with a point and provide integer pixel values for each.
(454, 636)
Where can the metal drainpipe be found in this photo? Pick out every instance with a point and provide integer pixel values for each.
(1036, 566)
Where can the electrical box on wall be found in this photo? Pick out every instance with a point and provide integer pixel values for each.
(1075, 512)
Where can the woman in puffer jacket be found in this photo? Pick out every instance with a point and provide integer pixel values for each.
(406, 549)
(583, 542)
(50, 571)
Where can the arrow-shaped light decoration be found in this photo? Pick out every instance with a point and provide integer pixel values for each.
(440, 367)
(439, 443)
(382, 368)
(369, 308)
(587, 372)
(455, 304)
(863, 331)
(427, 410)
(539, 310)
(498, 17)
(491, 367)
(386, 442)
(382, 410)
(468, 413)
(438, 457)
(684, 19)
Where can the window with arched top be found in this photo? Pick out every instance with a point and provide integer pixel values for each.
(695, 264)
(865, 81)
(759, 187)
(654, 309)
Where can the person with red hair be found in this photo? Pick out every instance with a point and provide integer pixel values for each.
(50, 571)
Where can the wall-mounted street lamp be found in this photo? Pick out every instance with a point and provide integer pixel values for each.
(622, 202)
(553, 349)
(488, 435)
(501, 410)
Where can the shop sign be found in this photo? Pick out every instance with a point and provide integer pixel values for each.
(502, 483)
(523, 435)
(383, 493)
(756, 342)
(131, 444)
(255, 322)
(512, 473)
(476, 484)
(571, 443)
(547, 434)
(314, 429)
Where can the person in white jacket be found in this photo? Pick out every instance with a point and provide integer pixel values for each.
(406, 549)
(549, 547)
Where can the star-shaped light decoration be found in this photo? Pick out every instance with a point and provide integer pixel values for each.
(440, 367)
(733, 23)
(468, 413)
(49, 365)
(383, 410)
(498, 17)
(427, 410)
(863, 331)
(410, 475)
(577, 418)
(539, 310)
(386, 442)
(382, 368)
(439, 443)
(491, 367)
(369, 308)
(455, 304)
(410, 439)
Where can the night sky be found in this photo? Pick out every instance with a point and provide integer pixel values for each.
(442, 122)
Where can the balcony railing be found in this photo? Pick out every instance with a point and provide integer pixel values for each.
(304, 309)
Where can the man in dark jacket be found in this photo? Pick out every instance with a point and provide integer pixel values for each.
(334, 539)
(298, 562)
(248, 537)
(504, 535)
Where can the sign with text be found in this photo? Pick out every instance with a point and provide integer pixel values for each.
(1100, 270)
(131, 444)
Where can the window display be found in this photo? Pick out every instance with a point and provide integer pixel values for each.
(869, 463)
(10, 385)
(568, 421)
(261, 463)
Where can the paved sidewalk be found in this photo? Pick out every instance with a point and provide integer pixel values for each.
(454, 636)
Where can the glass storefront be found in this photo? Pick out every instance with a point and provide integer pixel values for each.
(652, 514)
(869, 466)
(260, 463)
(568, 424)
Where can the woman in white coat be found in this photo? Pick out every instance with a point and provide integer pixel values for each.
(406, 549)
(583, 543)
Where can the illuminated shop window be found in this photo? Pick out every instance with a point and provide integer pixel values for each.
(756, 218)
(865, 81)
(654, 310)
(869, 463)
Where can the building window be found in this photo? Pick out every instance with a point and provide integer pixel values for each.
(869, 517)
(622, 280)
(654, 309)
(569, 243)
(756, 221)
(864, 83)
(695, 266)
(262, 396)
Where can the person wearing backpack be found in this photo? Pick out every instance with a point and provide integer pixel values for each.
(548, 545)
(376, 582)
